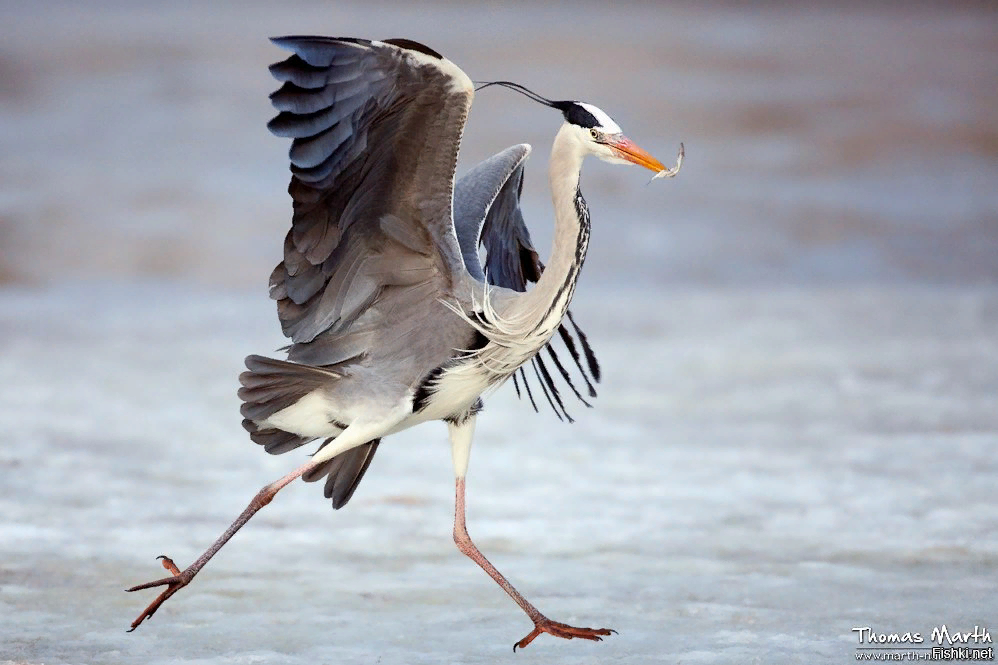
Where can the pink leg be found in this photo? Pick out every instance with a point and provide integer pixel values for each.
(182, 579)
(541, 623)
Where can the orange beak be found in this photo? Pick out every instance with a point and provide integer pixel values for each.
(627, 149)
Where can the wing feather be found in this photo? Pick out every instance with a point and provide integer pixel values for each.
(375, 131)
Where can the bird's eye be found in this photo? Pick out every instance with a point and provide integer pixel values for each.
(594, 133)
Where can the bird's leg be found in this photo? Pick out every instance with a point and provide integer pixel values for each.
(356, 434)
(461, 435)
(180, 579)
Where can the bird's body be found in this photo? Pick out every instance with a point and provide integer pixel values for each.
(393, 319)
(481, 335)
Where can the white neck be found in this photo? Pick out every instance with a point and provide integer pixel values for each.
(568, 249)
(525, 322)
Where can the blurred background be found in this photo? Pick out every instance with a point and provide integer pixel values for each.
(835, 143)
(796, 430)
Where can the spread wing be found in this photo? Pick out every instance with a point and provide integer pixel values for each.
(487, 212)
(376, 128)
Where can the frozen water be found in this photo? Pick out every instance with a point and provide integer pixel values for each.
(763, 472)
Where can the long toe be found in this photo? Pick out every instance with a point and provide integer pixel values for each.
(564, 631)
(173, 584)
(154, 605)
(166, 581)
(177, 577)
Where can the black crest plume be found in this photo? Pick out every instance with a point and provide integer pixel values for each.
(526, 92)
(573, 111)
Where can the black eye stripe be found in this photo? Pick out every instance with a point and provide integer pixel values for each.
(577, 115)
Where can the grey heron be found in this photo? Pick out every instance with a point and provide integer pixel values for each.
(393, 320)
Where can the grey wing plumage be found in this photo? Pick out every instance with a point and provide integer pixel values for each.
(376, 128)
(474, 196)
(487, 212)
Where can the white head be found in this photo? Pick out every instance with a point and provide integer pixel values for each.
(602, 137)
(595, 131)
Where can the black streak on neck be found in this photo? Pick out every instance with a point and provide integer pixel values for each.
(581, 245)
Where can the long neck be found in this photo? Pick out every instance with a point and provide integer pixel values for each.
(549, 298)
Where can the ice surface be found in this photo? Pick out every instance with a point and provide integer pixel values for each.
(805, 448)
(763, 471)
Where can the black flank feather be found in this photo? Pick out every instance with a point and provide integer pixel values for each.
(526, 386)
(588, 350)
(566, 337)
(554, 390)
(565, 375)
(544, 387)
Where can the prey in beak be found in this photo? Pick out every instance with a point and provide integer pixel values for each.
(627, 150)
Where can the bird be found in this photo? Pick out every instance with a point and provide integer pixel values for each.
(393, 320)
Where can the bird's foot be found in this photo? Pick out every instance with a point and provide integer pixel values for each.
(545, 625)
(173, 584)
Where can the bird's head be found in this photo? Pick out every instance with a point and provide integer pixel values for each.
(602, 137)
(597, 133)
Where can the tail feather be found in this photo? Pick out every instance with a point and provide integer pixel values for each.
(270, 385)
(344, 472)
(274, 441)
